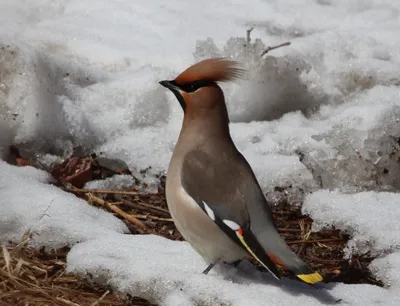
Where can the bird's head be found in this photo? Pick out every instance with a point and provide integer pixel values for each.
(196, 88)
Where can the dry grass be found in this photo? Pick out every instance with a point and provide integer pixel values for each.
(34, 278)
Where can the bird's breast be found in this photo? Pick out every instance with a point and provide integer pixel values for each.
(196, 226)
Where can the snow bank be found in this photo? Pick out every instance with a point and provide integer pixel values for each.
(55, 218)
(170, 273)
(371, 218)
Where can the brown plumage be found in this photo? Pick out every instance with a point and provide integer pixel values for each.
(213, 69)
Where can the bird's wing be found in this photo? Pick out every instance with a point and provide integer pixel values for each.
(225, 187)
(217, 189)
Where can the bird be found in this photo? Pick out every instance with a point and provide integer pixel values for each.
(212, 193)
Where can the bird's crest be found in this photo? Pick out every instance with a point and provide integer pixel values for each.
(213, 69)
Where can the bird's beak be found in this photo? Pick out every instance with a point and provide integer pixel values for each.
(170, 85)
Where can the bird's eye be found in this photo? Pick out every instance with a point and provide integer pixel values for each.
(192, 87)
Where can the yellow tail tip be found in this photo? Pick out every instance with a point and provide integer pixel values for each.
(310, 278)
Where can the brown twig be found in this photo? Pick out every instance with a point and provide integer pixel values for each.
(120, 212)
(248, 32)
(101, 298)
(66, 302)
(121, 192)
(135, 204)
(315, 241)
(117, 203)
(274, 47)
(305, 233)
(146, 217)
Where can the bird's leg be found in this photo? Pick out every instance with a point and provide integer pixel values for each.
(210, 266)
(208, 269)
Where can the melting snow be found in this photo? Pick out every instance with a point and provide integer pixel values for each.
(321, 116)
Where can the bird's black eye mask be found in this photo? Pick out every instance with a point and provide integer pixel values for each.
(188, 88)
(193, 86)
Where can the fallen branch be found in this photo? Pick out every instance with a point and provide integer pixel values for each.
(131, 219)
(274, 47)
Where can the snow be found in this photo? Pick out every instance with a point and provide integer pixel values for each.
(28, 202)
(115, 182)
(321, 115)
(131, 266)
(355, 213)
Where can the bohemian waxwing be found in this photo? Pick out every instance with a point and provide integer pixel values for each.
(213, 196)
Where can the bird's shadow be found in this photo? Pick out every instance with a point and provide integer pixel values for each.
(245, 272)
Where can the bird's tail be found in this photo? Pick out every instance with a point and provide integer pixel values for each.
(281, 255)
